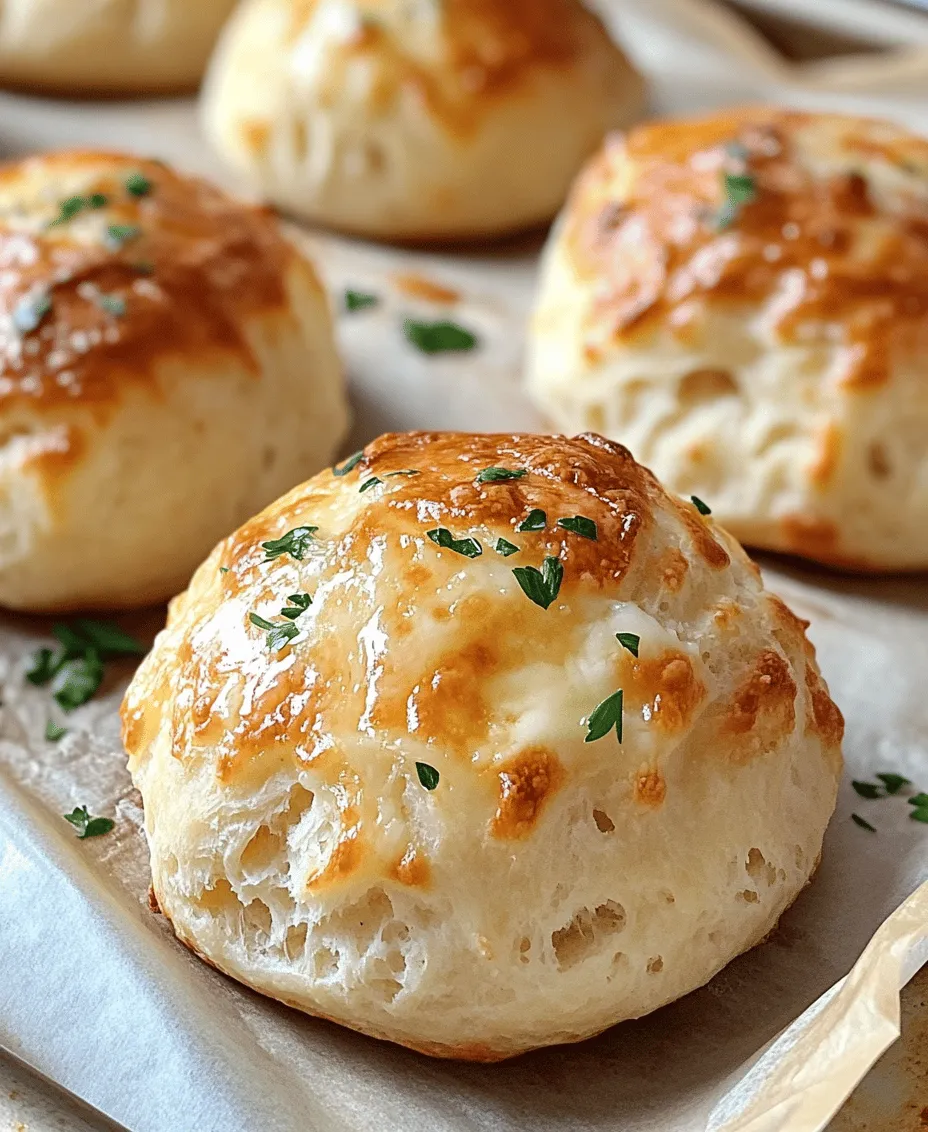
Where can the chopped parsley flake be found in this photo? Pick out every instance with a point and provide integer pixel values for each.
(428, 775)
(740, 189)
(541, 586)
(112, 304)
(54, 732)
(117, 235)
(505, 547)
(442, 537)
(295, 543)
(360, 300)
(77, 666)
(629, 641)
(372, 482)
(278, 634)
(867, 789)
(500, 475)
(87, 826)
(579, 525)
(536, 520)
(858, 820)
(299, 603)
(702, 508)
(920, 814)
(893, 782)
(138, 185)
(404, 472)
(438, 337)
(223, 569)
(349, 465)
(71, 206)
(919, 800)
(30, 310)
(604, 717)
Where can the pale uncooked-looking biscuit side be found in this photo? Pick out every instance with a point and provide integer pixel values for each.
(413, 119)
(167, 367)
(108, 47)
(546, 887)
(770, 358)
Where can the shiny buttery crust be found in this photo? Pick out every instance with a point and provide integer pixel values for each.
(108, 47)
(546, 887)
(416, 120)
(156, 354)
(774, 365)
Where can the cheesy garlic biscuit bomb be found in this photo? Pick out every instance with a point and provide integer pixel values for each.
(743, 300)
(106, 47)
(416, 119)
(167, 367)
(480, 743)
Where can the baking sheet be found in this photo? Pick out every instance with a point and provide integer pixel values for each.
(96, 993)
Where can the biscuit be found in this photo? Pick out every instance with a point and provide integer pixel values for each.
(388, 777)
(167, 367)
(410, 119)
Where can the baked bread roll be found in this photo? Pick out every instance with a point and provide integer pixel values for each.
(167, 367)
(743, 301)
(479, 744)
(413, 119)
(108, 46)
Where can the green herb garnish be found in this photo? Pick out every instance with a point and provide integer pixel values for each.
(438, 337)
(78, 663)
(500, 475)
(278, 634)
(919, 800)
(604, 717)
(117, 235)
(579, 525)
(541, 586)
(71, 206)
(404, 472)
(867, 789)
(372, 482)
(359, 300)
(428, 775)
(138, 185)
(629, 641)
(505, 547)
(87, 826)
(893, 782)
(223, 569)
(83, 677)
(920, 814)
(740, 189)
(536, 520)
(349, 465)
(112, 304)
(295, 543)
(702, 508)
(299, 603)
(29, 311)
(858, 820)
(442, 537)
(54, 732)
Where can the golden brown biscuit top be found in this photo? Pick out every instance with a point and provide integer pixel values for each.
(459, 55)
(109, 263)
(823, 217)
(341, 633)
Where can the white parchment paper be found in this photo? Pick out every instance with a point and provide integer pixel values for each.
(94, 990)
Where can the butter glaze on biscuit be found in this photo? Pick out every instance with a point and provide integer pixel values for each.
(772, 361)
(414, 119)
(522, 900)
(150, 341)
